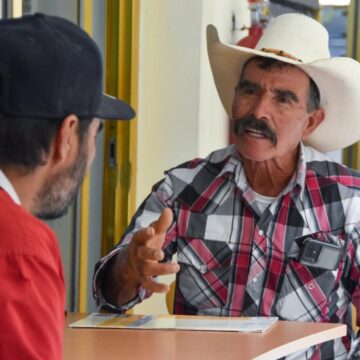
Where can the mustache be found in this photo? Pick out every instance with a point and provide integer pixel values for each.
(252, 122)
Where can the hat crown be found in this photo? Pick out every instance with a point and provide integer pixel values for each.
(288, 33)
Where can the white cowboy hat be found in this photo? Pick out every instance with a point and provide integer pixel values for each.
(300, 40)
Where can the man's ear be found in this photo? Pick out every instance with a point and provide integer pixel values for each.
(66, 141)
(315, 119)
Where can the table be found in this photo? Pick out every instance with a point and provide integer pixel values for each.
(282, 339)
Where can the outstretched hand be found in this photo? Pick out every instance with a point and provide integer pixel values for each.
(144, 253)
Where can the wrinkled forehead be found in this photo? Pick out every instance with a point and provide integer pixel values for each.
(270, 65)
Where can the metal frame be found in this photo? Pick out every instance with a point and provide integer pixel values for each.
(120, 137)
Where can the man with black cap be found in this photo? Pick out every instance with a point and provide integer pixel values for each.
(268, 226)
(50, 104)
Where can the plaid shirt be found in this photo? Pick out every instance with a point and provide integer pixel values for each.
(235, 262)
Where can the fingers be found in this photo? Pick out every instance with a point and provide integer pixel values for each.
(150, 284)
(154, 269)
(155, 287)
(147, 253)
(154, 235)
(160, 227)
(143, 235)
(163, 223)
(148, 270)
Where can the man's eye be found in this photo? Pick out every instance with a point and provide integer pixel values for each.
(246, 90)
(284, 99)
(249, 91)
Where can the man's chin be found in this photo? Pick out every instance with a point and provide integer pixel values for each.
(52, 214)
(257, 151)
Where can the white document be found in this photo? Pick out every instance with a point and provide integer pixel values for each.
(176, 322)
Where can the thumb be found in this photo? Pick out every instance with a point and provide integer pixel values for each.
(163, 222)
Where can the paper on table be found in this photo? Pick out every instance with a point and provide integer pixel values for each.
(176, 322)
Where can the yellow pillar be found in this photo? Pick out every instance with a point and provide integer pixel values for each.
(120, 137)
(85, 199)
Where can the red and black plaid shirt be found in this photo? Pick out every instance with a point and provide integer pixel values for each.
(235, 261)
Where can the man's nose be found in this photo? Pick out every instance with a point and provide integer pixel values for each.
(262, 106)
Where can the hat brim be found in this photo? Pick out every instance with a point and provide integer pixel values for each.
(338, 80)
(114, 109)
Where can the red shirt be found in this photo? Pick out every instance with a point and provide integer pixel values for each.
(32, 290)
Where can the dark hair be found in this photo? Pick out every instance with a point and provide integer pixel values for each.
(25, 142)
(265, 63)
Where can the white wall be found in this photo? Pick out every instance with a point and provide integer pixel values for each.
(180, 115)
(170, 37)
(213, 121)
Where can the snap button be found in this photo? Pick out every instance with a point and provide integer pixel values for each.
(203, 269)
(311, 286)
(255, 280)
(261, 233)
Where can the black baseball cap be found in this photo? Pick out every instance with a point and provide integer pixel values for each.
(51, 68)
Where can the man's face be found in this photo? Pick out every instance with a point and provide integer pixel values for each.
(270, 112)
(60, 191)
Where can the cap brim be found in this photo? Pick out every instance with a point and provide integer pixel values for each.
(114, 109)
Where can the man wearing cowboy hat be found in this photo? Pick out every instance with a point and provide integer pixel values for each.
(268, 226)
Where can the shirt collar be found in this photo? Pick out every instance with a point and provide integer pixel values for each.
(9, 189)
(235, 167)
(300, 174)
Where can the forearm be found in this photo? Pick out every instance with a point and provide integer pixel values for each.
(118, 286)
(116, 280)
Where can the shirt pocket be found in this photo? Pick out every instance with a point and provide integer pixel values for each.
(306, 291)
(205, 259)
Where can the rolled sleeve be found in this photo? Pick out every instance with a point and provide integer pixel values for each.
(147, 213)
(101, 302)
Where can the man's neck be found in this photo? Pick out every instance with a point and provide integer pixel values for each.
(270, 177)
(26, 184)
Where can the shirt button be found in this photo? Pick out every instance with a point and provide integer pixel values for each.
(203, 269)
(255, 280)
(261, 233)
(311, 286)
